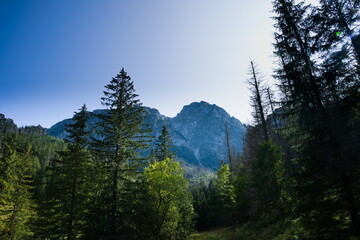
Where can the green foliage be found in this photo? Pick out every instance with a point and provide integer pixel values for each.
(68, 192)
(264, 178)
(44, 149)
(117, 159)
(306, 186)
(171, 207)
(280, 228)
(16, 203)
(203, 199)
(320, 82)
(223, 203)
(225, 188)
(218, 234)
(302, 184)
(164, 145)
(242, 188)
(7, 125)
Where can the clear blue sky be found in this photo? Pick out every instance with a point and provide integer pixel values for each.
(56, 55)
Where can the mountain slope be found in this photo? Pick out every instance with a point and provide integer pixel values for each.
(197, 132)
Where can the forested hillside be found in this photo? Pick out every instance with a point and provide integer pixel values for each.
(298, 176)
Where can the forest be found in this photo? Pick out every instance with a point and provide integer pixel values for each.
(298, 176)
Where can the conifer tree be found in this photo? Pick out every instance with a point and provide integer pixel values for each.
(69, 190)
(323, 166)
(257, 89)
(339, 22)
(164, 145)
(335, 40)
(77, 169)
(16, 203)
(293, 45)
(121, 137)
(264, 180)
(202, 197)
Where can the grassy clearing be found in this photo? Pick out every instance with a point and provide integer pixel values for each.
(219, 234)
(277, 230)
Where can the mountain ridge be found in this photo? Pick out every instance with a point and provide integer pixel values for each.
(197, 132)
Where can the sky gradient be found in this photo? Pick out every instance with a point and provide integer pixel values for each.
(56, 55)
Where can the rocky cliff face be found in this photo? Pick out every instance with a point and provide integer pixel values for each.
(198, 132)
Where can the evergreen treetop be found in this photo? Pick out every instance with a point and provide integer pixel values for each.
(164, 145)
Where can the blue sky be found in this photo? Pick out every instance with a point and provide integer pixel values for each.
(56, 55)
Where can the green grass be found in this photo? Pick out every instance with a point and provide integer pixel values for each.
(264, 229)
(279, 229)
(219, 234)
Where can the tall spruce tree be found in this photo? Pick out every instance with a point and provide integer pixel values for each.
(164, 145)
(121, 136)
(293, 46)
(66, 204)
(76, 177)
(335, 27)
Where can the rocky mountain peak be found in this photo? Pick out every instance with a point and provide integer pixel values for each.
(197, 132)
(197, 110)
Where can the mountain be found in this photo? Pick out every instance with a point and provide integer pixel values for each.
(198, 132)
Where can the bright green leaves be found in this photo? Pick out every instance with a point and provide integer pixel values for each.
(170, 199)
(225, 188)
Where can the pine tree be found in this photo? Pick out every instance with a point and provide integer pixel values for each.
(202, 196)
(121, 137)
(293, 46)
(69, 189)
(164, 145)
(77, 169)
(335, 27)
(16, 203)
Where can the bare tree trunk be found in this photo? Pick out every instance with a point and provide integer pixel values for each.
(259, 102)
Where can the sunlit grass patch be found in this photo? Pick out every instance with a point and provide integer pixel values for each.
(218, 234)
